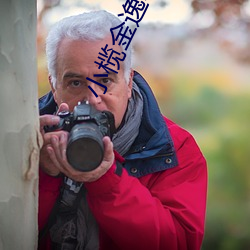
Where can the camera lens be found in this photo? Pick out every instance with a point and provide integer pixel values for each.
(85, 147)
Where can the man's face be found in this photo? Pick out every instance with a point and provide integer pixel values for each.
(75, 62)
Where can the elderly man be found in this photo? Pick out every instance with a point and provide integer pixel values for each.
(149, 191)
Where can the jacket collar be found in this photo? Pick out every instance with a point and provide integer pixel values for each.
(153, 149)
(47, 104)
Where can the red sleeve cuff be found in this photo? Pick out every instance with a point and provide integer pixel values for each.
(109, 180)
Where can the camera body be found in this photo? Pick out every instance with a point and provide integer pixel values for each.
(86, 126)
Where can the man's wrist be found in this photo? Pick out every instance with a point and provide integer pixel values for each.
(55, 174)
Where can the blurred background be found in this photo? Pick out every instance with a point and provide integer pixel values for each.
(195, 54)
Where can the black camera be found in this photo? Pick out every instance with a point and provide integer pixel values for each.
(86, 126)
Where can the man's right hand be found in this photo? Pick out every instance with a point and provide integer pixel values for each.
(45, 161)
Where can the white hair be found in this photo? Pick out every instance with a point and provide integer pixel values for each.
(89, 26)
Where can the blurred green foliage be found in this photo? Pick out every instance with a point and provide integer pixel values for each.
(220, 124)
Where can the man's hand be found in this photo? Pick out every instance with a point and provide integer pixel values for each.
(57, 153)
(45, 160)
(53, 158)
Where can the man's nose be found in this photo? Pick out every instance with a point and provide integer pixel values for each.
(93, 94)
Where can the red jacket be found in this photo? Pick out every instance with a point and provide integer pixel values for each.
(159, 211)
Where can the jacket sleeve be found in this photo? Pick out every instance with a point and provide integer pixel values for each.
(165, 210)
(49, 189)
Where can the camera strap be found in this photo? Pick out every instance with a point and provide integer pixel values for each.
(67, 203)
(71, 214)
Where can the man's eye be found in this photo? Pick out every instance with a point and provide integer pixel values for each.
(106, 81)
(75, 84)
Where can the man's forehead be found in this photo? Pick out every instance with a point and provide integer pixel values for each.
(97, 44)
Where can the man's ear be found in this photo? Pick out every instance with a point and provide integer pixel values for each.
(52, 88)
(51, 84)
(130, 83)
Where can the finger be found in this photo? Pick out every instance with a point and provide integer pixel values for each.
(108, 149)
(44, 153)
(47, 136)
(63, 140)
(63, 107)
(53, 158)
(46, 164)
(55, 146)
(48, 120)
(59, 145)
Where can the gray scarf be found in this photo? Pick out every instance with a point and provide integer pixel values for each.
(125, 137)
